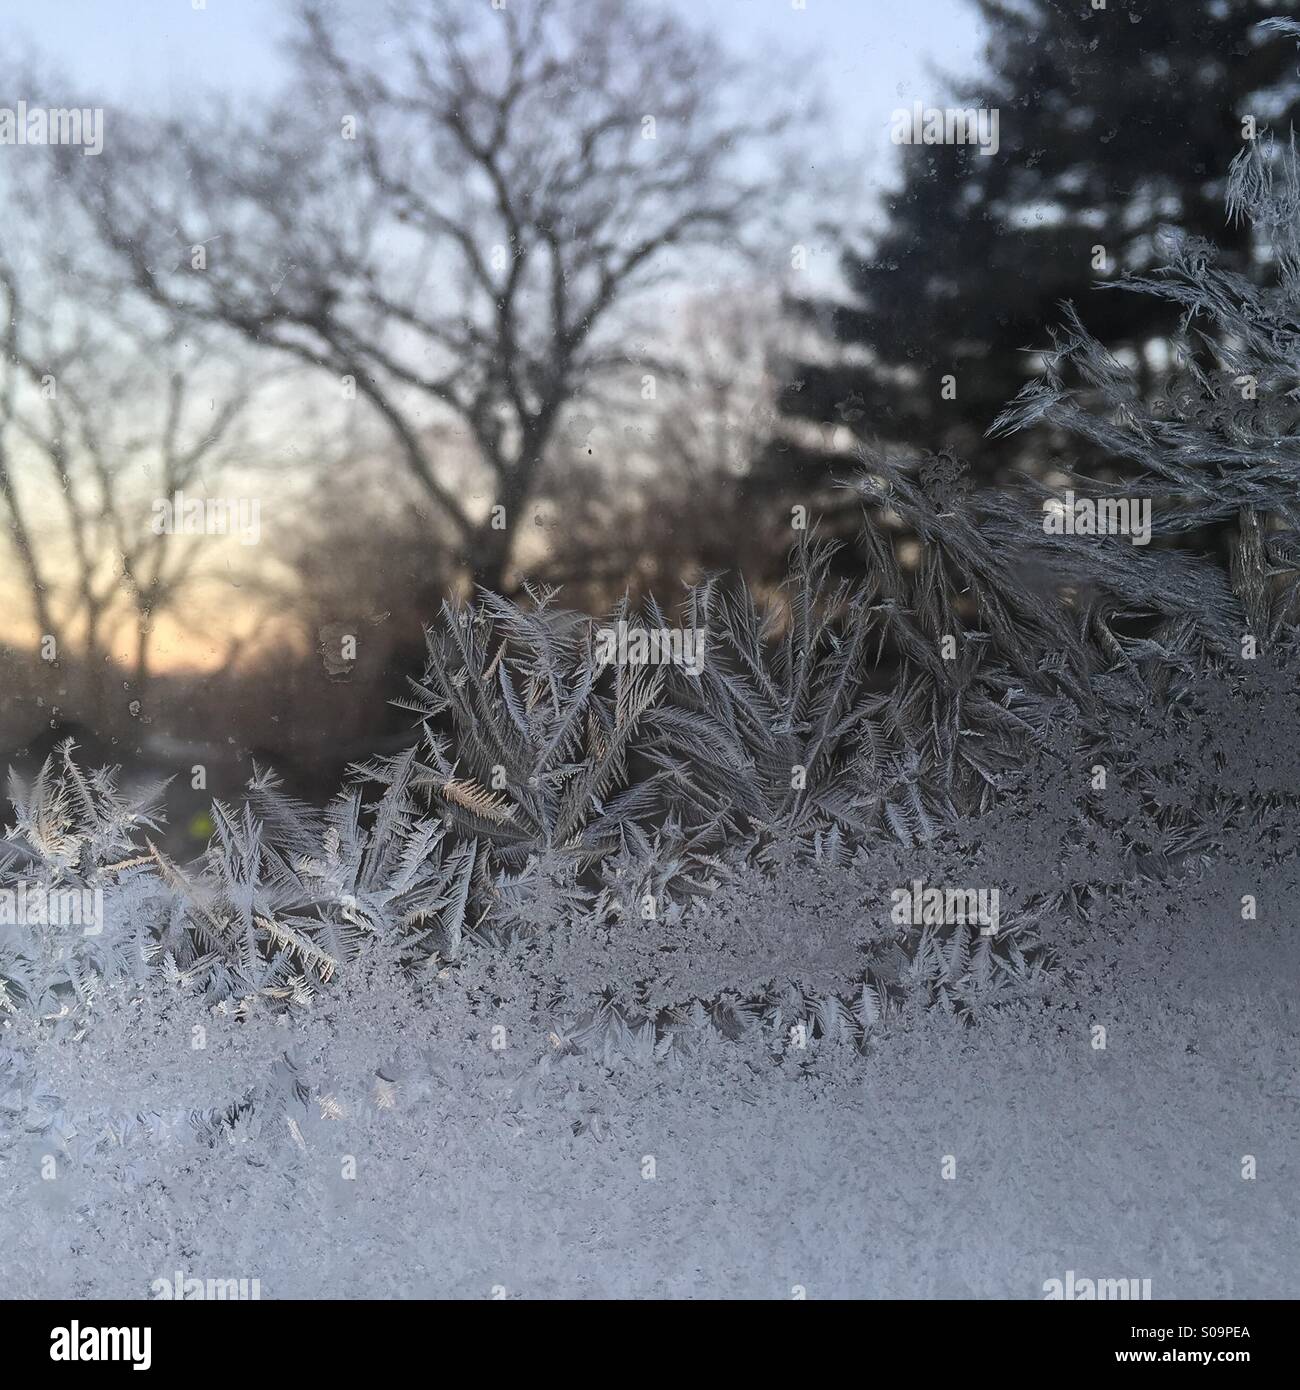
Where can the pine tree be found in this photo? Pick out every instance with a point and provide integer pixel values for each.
(1113, 123)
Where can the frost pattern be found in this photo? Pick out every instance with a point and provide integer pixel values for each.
(596, 892)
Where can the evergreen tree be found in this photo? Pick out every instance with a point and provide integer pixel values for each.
(1113, 123)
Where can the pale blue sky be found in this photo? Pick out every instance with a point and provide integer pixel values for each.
(872, 55)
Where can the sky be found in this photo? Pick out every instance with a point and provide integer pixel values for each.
(868, 57)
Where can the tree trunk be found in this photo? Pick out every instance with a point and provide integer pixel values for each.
(493, 545)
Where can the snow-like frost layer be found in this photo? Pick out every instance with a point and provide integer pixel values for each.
(423, 1163)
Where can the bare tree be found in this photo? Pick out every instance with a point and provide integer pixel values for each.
(13, 367)
(103, 411)
(447, 210)
(641, 493)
